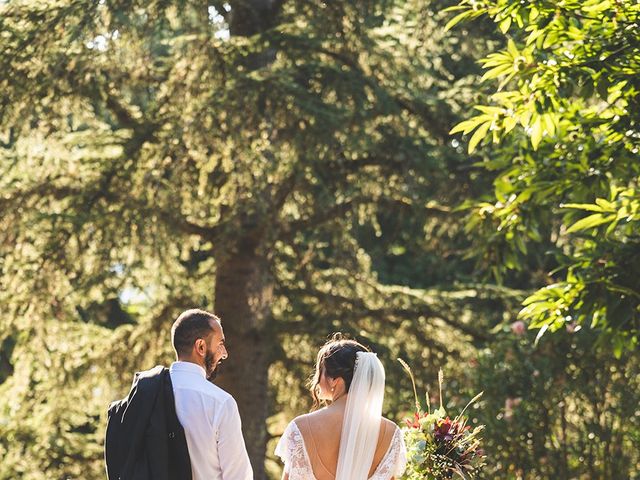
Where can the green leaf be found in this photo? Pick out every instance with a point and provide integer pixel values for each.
(533, 14)
(509, 123)
(618, 346)
(533, 36)
(597, 7)
(536, 133)
(494, 59)
(496, 72)
(507, 79)
(590, 222)
(458, 18)
(505, 25)
(479, 134)
(583, 206)
(489, 110)
(612, 227)
(455, 8)
(521, 245)
(525, 118)
(468, 125)
(440, 412)
(605, 204)
(549, 124)
(550, 40)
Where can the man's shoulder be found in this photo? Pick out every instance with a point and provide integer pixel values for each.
(217, 393)
(148, 382)
(152, 372)
(208, 389)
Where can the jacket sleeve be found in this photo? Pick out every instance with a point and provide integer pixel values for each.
(113, 452)
(136, 418)
(234, 460)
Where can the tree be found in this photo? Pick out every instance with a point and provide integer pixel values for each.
(560, 409)
(566, 114)
(162, 155)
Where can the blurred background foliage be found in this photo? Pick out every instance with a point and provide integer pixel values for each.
(288, 164)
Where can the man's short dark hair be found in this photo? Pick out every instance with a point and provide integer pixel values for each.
(189, 326)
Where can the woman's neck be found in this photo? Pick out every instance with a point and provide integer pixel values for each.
(339, 403)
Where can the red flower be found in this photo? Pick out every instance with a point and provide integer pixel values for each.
(416, 421)
(445, 430)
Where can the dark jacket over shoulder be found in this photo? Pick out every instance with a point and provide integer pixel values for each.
(144, 439)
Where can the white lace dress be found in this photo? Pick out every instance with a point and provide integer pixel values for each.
(293, 453)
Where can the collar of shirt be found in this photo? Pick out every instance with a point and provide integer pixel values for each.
(188, 367)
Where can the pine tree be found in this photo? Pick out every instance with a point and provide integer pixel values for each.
(162, 155)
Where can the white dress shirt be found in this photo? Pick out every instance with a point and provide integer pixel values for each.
(211, 423)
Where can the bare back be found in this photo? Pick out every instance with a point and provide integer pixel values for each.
(321, 433)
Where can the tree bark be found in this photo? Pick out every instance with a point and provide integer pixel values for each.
(244, 286)
(243, 294)
(249, 17)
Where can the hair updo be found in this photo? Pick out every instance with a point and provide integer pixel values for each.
(337, 359)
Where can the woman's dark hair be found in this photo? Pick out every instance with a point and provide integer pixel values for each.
(337, 359)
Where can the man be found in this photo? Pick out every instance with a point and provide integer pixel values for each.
(208, 414)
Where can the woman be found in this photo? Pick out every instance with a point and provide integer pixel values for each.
(348, 439)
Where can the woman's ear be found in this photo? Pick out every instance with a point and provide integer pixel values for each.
(333, 383)
(337, 384)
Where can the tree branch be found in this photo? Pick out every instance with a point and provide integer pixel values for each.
(388, 312)
(288, 229)
(435, 125)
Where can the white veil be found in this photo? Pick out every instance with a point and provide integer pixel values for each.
(362, 417)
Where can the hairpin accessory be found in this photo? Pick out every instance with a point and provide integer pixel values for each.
(359, 354)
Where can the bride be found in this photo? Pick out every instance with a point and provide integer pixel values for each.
(348, 439)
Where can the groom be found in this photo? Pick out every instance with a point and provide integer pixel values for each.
(208, 414)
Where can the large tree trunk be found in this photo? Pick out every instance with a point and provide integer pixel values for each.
(243, 297)
(244, 286)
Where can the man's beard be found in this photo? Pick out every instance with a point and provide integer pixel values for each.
(211, 366)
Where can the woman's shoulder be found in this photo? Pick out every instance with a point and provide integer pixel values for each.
(301, 419)
(389, 425)
(294, 424)
(302, 422)
(292, 434)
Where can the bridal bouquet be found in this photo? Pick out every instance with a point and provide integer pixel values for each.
(439, 447)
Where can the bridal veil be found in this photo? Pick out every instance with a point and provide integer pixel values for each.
(362, 417)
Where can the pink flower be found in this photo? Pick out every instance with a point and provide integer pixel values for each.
(518, 327)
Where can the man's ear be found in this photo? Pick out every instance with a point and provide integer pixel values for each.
(200, 347)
